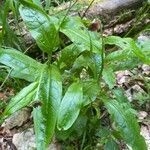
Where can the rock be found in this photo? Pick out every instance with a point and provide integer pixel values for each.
(26, 141)
(2, 96)
(129, 95)
(17, 119)
(109, 8)
(142, 115)
(145, 131)
(146, 69)
(123, 76)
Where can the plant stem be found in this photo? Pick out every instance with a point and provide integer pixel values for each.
(87, 9)
(49, 58)
(102, 52)
(83, 140)
(5, 79)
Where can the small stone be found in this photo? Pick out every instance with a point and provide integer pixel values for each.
(17, 119)
(145, 132)
(142, 115)
(25, 140)
(129, 95)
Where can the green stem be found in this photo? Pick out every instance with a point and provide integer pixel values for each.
(102, 52)
(83, 140)
(5, 79)
(87, 9)
(49, 58)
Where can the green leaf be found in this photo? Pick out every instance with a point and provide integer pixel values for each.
(23, 67)
(125, 64)
(68, 56)
(123, 58)
(130, 51)
(126, 123)
(145, 48)
(70, 106)
(119, 55)
(138, 52)
(118, 41)
(75, 131)
(41, 26)
(45, 115)
(91, 60)
(9, 38)
(74, 29)
(90, 91)
(111, 145)
(37, 2)
(22, 99)
(109, 77)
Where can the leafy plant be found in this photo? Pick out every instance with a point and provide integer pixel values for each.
(81, 76)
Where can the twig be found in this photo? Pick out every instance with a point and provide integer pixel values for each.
(87, 9)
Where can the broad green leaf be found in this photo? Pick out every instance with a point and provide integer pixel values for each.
(109, 77)
(75, 131)
(138, 52)
(126, 124)
(124, 58)
(129, 50)
(83, 39)
(125, 64)
(74, 29)
(37, 2)
(45, 115)
(119, 55)
(90, 91)
(145, 48)
(22, 99)
(72, 22)
(70, 106)
(120, 96)
(91, 60)
(118, 41)
(68, 56)
(41, 26)
(23, 67)
(111, 145)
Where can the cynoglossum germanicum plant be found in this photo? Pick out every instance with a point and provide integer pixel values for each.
(63, 87)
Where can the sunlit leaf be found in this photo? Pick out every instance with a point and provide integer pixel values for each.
(90, 91)
(109, 77)
(22, 99)
(70, 106)
(40, 25)
(68, 56)
(111, 145)
(79, 35)
(129, 51)
(126, 123)
(23, 67)
(37, 2)
(91, 60)
(45, 114)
